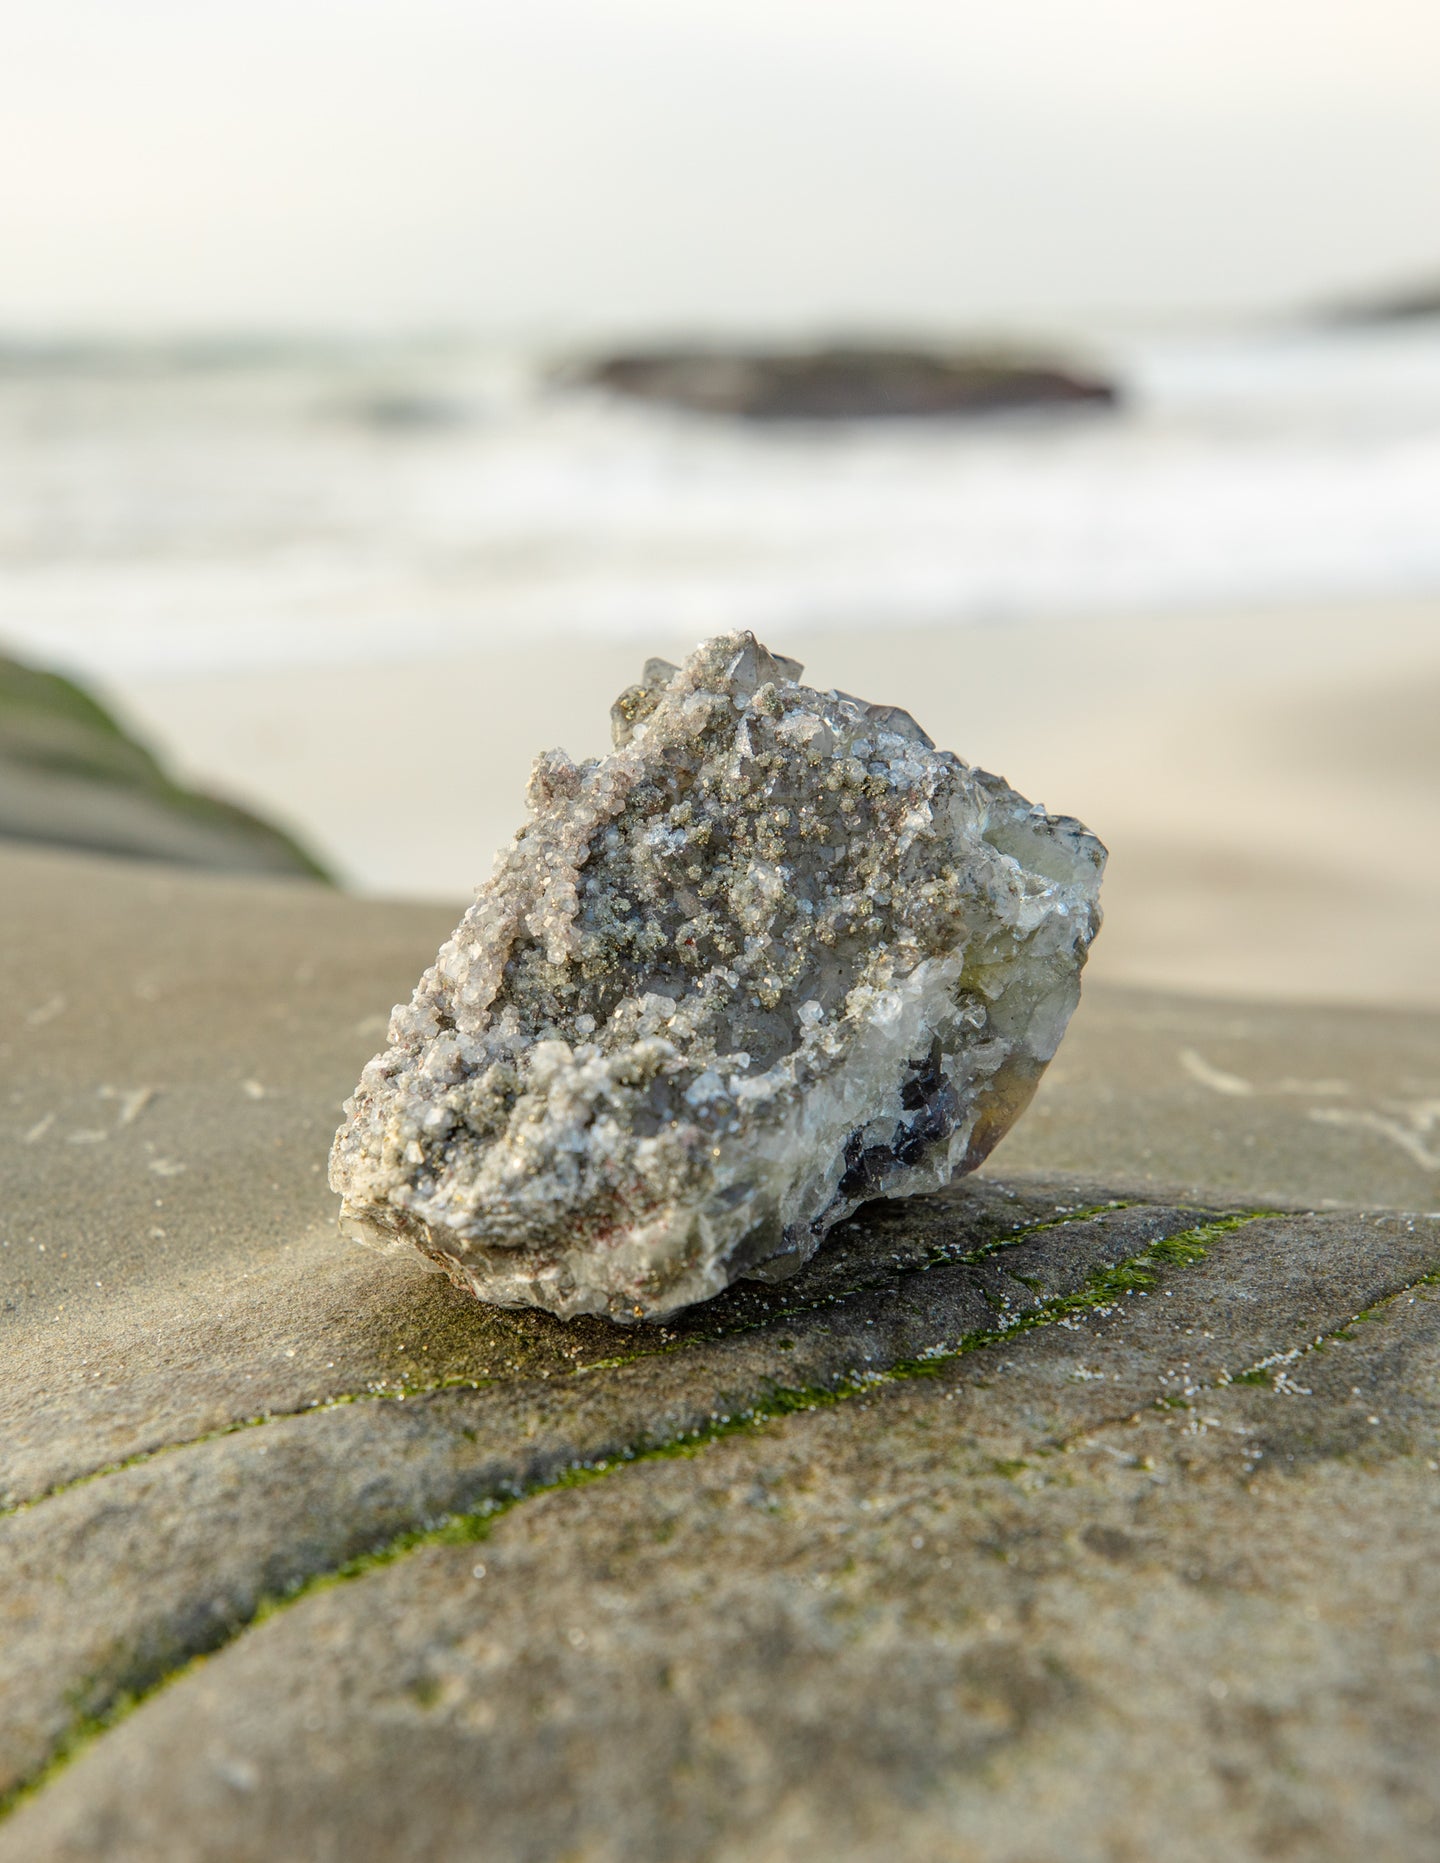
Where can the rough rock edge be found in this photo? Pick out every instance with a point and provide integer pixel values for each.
(628, 1161)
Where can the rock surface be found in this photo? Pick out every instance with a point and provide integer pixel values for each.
(844, 383)
(774, 956)
(1117, 1589)
(1083, 1511)
(72, 776)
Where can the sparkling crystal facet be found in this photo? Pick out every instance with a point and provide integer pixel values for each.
(773, 956)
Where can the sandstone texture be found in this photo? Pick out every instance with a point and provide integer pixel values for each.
(774, 956)
(1082, 1510)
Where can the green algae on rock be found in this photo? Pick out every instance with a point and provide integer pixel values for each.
(774, 956)
(72, 776)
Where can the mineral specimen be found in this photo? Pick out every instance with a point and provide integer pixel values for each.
(773, 956)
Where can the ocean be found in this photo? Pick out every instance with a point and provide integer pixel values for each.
(195, 510)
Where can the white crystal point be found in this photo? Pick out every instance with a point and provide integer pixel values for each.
(773, 956)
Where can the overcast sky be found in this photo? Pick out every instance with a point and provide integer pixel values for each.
(573, 164)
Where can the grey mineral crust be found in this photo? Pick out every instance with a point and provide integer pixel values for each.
(773, 956)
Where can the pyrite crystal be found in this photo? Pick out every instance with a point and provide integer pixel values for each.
(773, 956)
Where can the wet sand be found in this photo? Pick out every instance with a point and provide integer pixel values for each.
(1269, 786)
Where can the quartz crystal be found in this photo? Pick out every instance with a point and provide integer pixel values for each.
(773, 956)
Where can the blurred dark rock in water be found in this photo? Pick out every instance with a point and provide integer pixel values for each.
(844, 383)
(71, 776)
(1406, 304)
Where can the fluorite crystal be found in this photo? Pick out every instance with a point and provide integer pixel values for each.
(773, 956)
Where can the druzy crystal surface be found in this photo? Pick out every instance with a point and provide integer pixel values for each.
(775, 955)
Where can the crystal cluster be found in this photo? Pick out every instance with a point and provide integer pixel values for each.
(773, 956)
